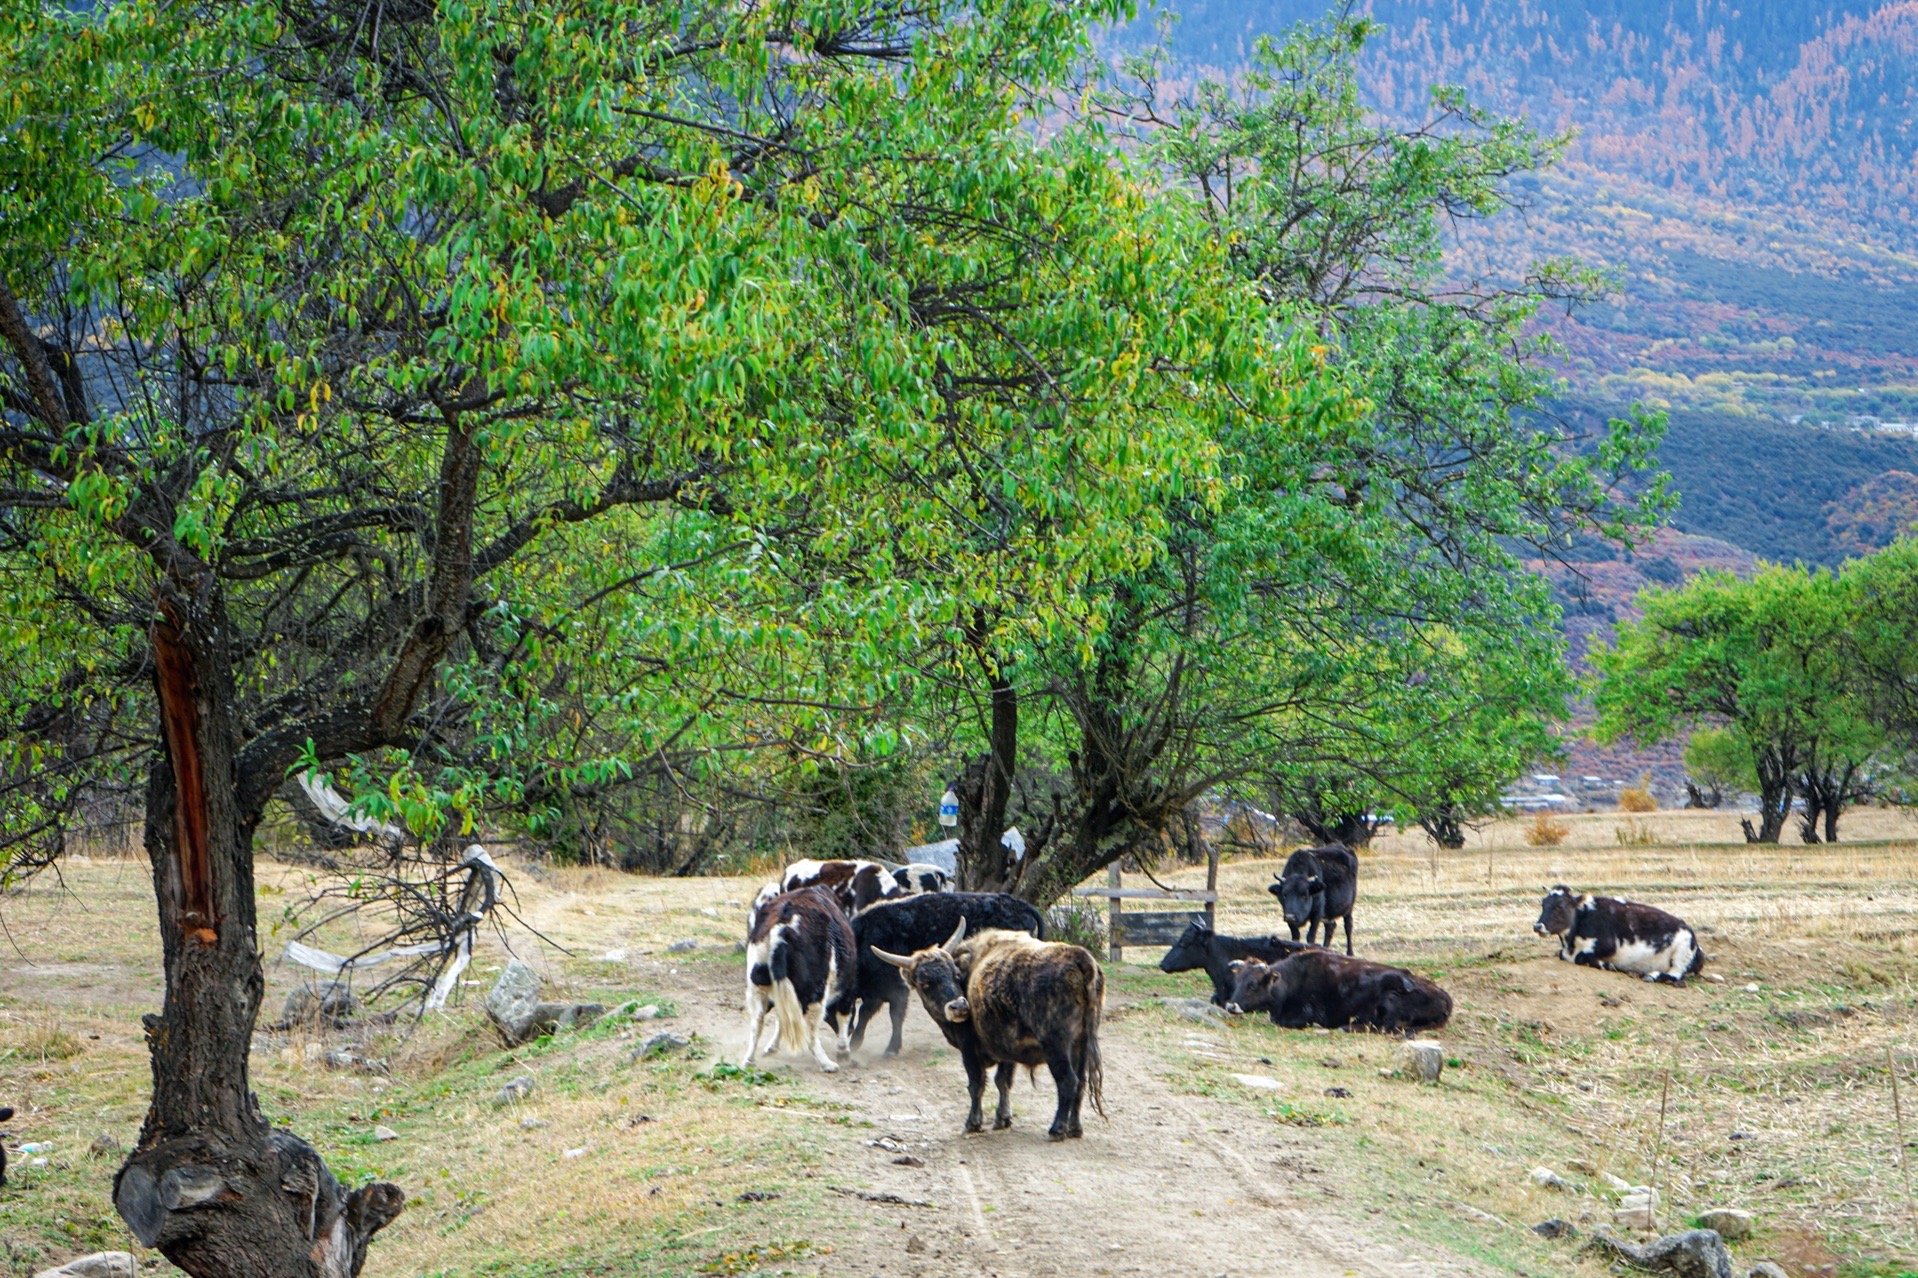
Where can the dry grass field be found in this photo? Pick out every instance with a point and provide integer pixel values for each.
(1775, 1087)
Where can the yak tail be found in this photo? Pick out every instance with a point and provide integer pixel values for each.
(1091, 1073)
(791, 1016)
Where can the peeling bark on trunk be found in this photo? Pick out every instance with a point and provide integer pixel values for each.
(209, 1183)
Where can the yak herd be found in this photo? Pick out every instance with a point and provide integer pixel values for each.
(834, 941)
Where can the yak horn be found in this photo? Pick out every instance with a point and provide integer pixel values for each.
(896, 960)
(958, 935)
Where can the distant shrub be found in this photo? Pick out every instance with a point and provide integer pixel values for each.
(1638, 798)
(1546, 831)
(1076, 924)
(1637, 834)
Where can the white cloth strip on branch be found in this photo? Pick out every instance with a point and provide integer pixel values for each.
(333, 806)
(334, 964)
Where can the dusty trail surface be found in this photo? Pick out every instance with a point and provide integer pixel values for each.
(1172, 1184)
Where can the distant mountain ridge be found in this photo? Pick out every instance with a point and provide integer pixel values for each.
(1749, 172)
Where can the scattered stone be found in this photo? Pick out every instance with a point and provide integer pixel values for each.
(1423, 1059)
(658, 1045)
(1262, 1082)
(385, 1133)
(531, 1124)
(873, 1196)
(515, 1091)
(646, 1013)
(1339, 1093)
(319, 1003)
(1332, 1062)
(313, 1053)
(1728, 1223)
(347, 1058)
(105, 1145)
(1203, 1010)
(907, 1160)
(1482, 1217)
(1622, 1186)
(758, 1196)
(101, 1264)
(915, 1245)
(886, 1143)
(568, 1016)
(1766, 1269)
(1555, 1228)
(638, 1119)
(1696, 1253)
(580, 1152)
(1546, 1178)
(612, 956)
(709, 911)
(1752, 988)
(513, 1003)
(1582, 1167)
(681, 947)
(1638, 1209)
(1713, 977)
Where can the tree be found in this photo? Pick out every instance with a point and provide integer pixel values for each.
(1759, 660)
(433, 395)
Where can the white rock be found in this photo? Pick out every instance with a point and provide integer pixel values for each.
(101, 1264)
(1546, 1178)
(1752, 988)
(1622, 1186)
(313, 1052)
(36, 1162)
(1730, 1223)
(681, 947)
(1713, 977)
(1423, 1059)
(612, 956)
(532, 1124)
(574, 1153)
(709, 911)
(1263, 1082)
(1766, 1269)
(383, 1132)
(645, 1013)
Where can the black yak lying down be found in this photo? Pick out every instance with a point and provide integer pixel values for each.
(1320, 987)
(1004, 999)
(1201, 946)
(917, 923)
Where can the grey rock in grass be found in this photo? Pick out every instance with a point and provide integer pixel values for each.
(1766, 1269)
(384, 1133)
(549, 1018)
(1696, 1253)
(1730, 1223)
(1546, 1178)
(513, 1003)
(1555, 1228)
(319, 1003)
(658, 1045)
(1205, 1011)
(1422, 1059)
(515, 1091)
(681, 947)
(101, 1264)
(105, 1145)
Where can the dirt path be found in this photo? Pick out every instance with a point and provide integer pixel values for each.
(1172, 1184)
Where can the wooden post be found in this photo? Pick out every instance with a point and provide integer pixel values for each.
(1212, 882)
(1114, 945)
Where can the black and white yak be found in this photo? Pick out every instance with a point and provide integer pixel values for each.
(1624, 936)
(800, 966)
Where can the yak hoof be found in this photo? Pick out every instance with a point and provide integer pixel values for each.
(1000, 1124)
(973, 1126)
(1057, 1133)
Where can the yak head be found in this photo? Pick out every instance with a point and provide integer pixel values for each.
(937, 977)
(1297, 893)
(1557, 912)
(1251, 986)
(1190, 951)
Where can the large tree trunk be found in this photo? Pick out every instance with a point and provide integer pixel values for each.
(209, 1183)
(1774, 806)
(984, 790)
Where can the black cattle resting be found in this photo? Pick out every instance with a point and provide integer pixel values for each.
(1201, 947)
(1320, 987)
(919, 923)
(1317, 886)
(1603, 931)
(1005, 999)
(800, 966)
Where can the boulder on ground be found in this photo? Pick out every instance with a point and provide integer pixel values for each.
(1696, 1253)
(1546, 1178)
(1730, 1223)
(1422, 1059)
(1766, 1269)
(658, 1045)
(513, 1003)
(319, 1004)
(101, 1264)
(515, 1091)
(1203, 1010)
(105, 1145)
(1555, 1228)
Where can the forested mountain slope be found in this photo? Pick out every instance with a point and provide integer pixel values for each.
(1748, 172)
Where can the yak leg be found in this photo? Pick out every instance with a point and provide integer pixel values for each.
(1295, 931)
(976, 1088)
(819, 1052)
(1002, 1079)
(757, 1005)
(898, 1024)
(1065, 1120)
(1348, 932)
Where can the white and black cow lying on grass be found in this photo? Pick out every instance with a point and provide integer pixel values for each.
(857, 884)
(1624, 936)
(800, 965)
